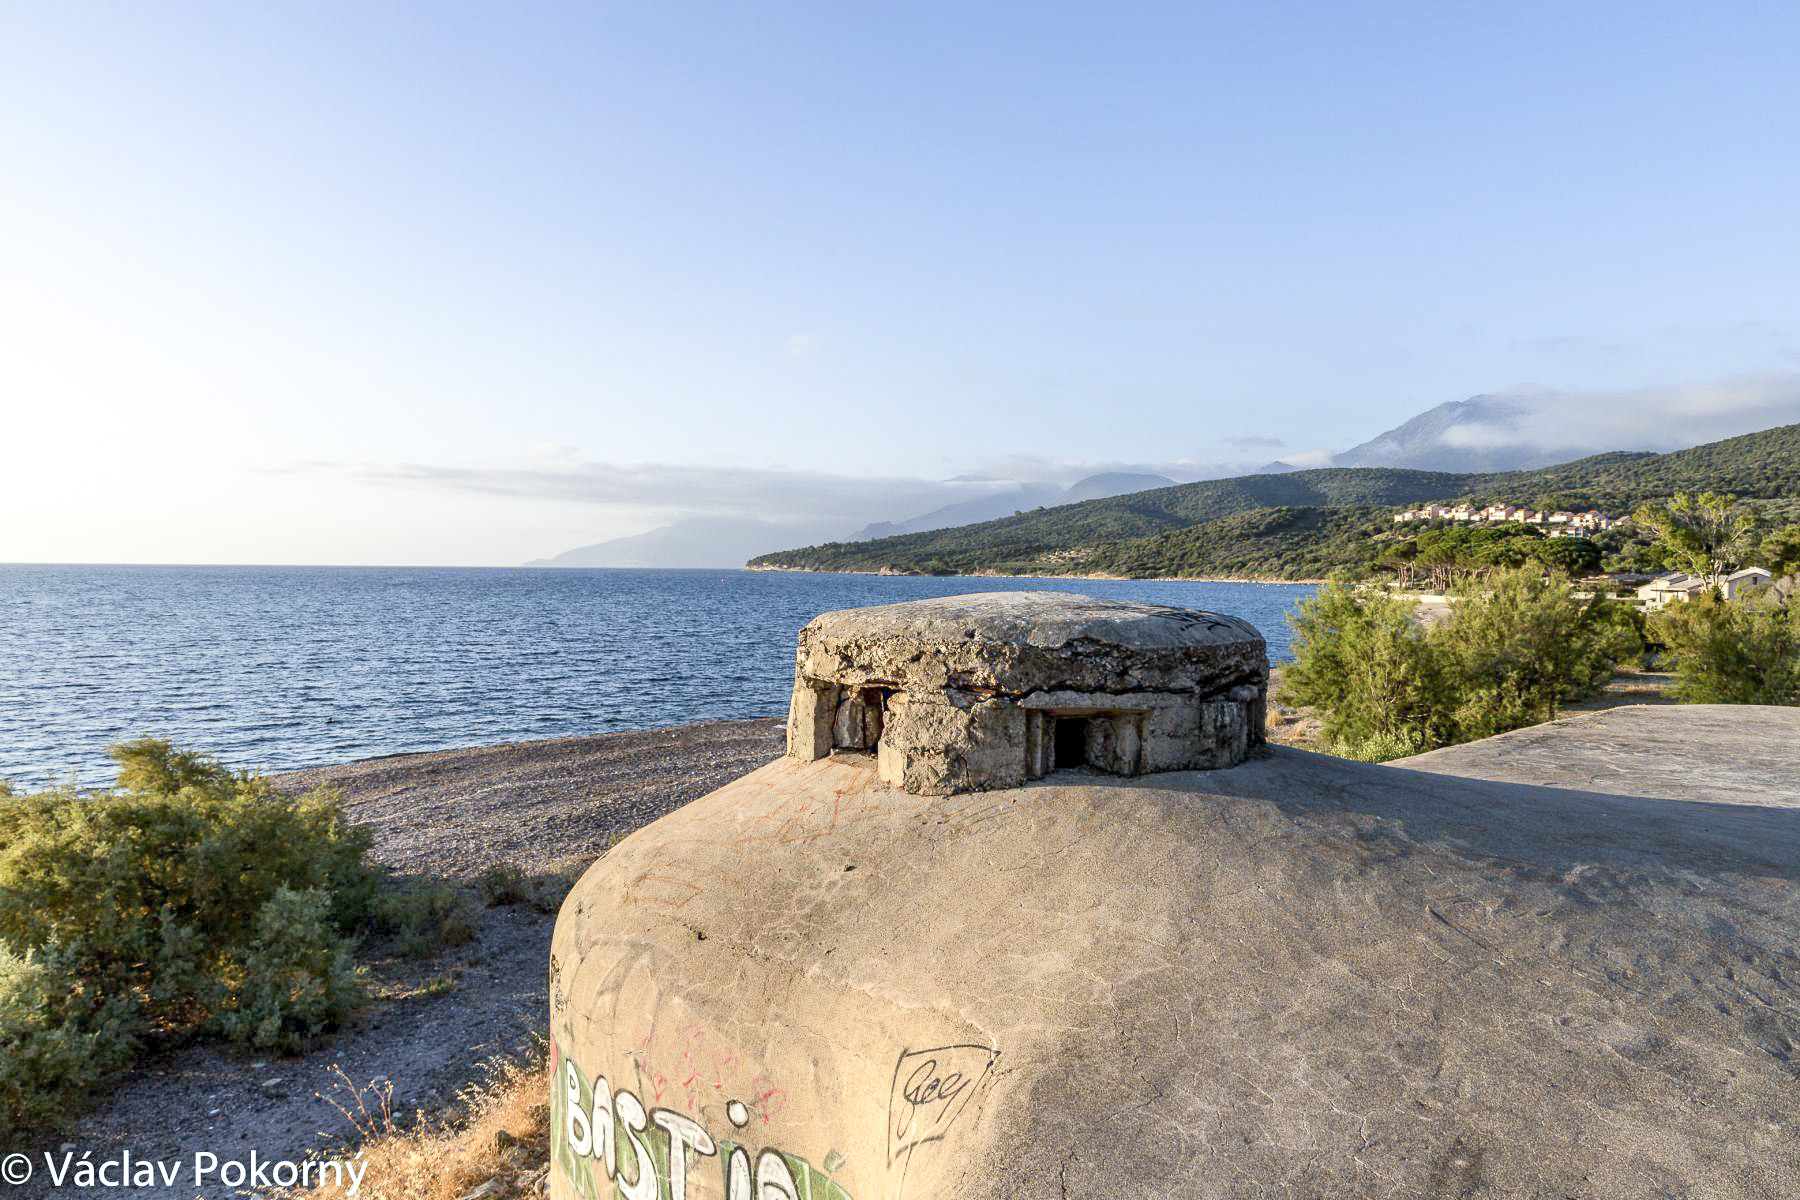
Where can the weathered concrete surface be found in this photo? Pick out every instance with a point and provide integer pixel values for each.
(1711, 753)
(1298, 977)
(1020, 642)
(962, 693)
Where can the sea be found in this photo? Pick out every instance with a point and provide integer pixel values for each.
(276, 668)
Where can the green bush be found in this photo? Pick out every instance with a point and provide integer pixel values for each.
(423, 915)
(187, 898)
(507, 883)
(1513, 648)
(503, 883)
(56, 1040)
(299, 978)
(1365, 665)
(1519, 644)
(1746, 651)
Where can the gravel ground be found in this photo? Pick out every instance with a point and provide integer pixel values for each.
(540, 805)
(544, 806)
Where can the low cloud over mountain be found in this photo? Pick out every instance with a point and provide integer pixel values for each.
(1532, 426)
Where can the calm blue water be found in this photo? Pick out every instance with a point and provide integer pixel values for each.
(279, 667)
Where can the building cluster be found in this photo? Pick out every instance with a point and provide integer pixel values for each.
(1556, 524)
(1677, 586)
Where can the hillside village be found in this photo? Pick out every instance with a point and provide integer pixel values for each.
(1650, 592)
(1557, 524)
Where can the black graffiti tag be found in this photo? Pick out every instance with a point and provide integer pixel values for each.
(927, 1085)
(931, 1089)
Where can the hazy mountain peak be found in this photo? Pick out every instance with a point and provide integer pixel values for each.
(1529, 425)
(1112, 483)
(691, 542)
(967, 512)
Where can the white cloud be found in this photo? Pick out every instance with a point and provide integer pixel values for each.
(803, 345)
(1025, 468)
(1650, 418)
(661, 491)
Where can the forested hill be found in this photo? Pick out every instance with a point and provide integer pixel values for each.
(1047, 530)
(1349, 499)
(1764, 465)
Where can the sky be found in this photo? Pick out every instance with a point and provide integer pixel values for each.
(473, 284)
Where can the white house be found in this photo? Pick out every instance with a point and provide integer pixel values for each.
(1667, 589)
(1748, 579)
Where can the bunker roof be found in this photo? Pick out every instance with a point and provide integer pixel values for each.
(1017, 642)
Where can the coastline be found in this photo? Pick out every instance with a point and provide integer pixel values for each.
(1099, 575)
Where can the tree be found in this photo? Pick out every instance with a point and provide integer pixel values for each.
(1706, 535)
(1573, 556)
(1519, 644)
(1365, 665)
(1746, 651)
(1398, 557)
(1780, 549)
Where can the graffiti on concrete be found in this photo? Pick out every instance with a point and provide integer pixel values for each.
(692, 1065)
(931, 1089)
(607, 1144)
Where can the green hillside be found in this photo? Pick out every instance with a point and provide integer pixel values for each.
(1030, 536)
(1297, 525)
(1264, 543)
(1764, 465)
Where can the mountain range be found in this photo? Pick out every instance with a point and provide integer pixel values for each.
(1522, 429)
(731, 541)
(1305, 523)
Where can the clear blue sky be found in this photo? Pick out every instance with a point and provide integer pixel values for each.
(438, 283)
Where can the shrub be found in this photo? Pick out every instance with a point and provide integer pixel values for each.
(186, 898)
(299, 978)
(1512, 649)
(1368, 669)
(55, 1041)
(423, 915)
(503, 883)
(1745, 651)
(1519, 644)
(507, 883)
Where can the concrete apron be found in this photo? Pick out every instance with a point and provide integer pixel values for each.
(1298, 976)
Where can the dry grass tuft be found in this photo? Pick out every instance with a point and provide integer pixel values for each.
(499, 1149)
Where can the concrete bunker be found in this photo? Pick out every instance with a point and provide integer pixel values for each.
(1498, 969)
(965, 693)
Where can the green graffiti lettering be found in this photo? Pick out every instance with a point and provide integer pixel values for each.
(599, 1136)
